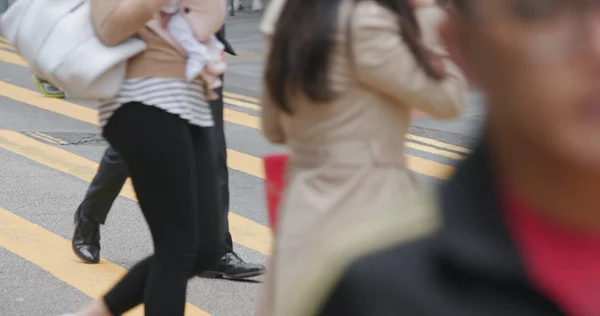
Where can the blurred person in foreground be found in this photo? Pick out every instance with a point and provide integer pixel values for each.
(516, 231)
(340, 99)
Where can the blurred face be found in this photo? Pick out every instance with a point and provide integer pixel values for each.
(538, 61)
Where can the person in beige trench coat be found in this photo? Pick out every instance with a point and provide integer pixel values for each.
(347, 156)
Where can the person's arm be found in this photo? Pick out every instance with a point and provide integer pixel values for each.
(118, 20)
(385, 63)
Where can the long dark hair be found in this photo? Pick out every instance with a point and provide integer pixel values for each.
(300, 48)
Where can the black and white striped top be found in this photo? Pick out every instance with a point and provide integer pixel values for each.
(176, 96)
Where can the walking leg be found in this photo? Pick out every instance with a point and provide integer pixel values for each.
(230, 265)
(94, 208)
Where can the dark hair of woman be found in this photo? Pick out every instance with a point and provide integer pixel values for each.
(300, 48)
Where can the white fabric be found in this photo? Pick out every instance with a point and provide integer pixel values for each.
(58, 40)
(198, 54)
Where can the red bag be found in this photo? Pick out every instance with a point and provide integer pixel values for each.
(274, 184)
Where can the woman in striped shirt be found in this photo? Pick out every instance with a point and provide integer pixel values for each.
(159, 124)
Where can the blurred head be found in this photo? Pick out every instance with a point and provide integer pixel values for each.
(538, 62)
(298, 61)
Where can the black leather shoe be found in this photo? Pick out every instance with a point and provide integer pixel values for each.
(231, 266)
(86, 239)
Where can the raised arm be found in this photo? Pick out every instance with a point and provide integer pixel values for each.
(117, 20)
(385, 63)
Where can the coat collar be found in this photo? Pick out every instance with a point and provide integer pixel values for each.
(474, 236)
(474, 242)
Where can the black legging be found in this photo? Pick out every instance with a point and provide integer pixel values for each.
(172, 167)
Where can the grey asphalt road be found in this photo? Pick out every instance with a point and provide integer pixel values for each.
(35, 187)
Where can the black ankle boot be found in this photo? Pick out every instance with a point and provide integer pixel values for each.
(86, 239)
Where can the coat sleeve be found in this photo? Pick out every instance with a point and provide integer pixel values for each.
(384, 62)
(118, 20)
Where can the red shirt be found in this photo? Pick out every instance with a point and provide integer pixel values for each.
(562, 264)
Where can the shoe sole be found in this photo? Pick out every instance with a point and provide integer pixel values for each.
(221, 275)
(47, 94)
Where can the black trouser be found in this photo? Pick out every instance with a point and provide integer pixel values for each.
(220, 147)
(111, 176)
(172, 167)
(105, 187)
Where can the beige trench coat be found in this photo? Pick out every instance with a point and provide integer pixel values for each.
(347, 157)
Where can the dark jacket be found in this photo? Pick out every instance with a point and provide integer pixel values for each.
(467, 265)
(221, 37)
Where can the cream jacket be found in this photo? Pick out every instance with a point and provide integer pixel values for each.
(347, 156)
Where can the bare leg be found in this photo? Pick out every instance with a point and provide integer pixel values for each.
(97, 308)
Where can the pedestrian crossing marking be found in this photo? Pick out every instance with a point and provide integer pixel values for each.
(240, 118)
(436, 143)
(252, 165)
(439, 152)
(48, 138)
(12, 58)
(251, 121)
(53, 139)
(53, 254)
(241, 97)
(246, 232)
(59, 106)
(241, 103)
(229, 115)
(6, 46)
(241, 162)
(428, 167)
(55, 158)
